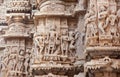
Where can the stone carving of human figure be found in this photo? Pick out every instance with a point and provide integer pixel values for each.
(3, 68)
(46, 42)
(39, 40)
(64, 42)
(52, 40)
(103, 13)
(27, 60)
(110, 22)
(20, 61)
(57, 51)
(113, 26)
(90, 22)
(73, 36)
(12, 64)
(72, 43)
(4, 61)
(41, 43)
(6, 55)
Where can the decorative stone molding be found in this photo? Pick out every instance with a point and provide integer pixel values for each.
(18, 6)
(103, 64)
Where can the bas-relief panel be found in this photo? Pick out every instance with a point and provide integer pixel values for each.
(54, 37)
(60, 39)
(102, 34)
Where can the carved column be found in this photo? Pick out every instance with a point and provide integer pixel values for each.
(16, 50)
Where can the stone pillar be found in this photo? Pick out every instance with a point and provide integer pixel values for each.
(16, 52)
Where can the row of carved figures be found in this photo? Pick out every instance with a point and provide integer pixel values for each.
(17, 63)
(105, 22)
(55, 42)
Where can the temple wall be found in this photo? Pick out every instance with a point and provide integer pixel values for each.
(59, 38)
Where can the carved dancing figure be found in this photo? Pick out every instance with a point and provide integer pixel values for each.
(27, 60)
(113, 27)
(103, 12)
(110, 22)
(57, 43)
(72, 43)
(36, 44)
(90, 22)
(73, 37)
(39, 40)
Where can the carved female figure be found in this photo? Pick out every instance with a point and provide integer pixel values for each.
(111, 20)
(57, 43)
(64, 42)
(72, 43)
(12, 62)
(39, 41)
(27, 60)
(103, 12)
(72, 40)
(90, 22)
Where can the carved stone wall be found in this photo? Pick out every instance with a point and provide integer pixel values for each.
(102, 39)
(44, 40)
(59, 38)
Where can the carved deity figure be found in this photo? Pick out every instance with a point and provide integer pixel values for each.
(73, 36)
(27, 60)
(103, 12)
(52, 40)
(72, 43)
(72, 39)
(111, 23)
(12, 63)
(90, 22)
(113, 26)
(6, 55)
(39, 42)
(64, 42)
(20, 61)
